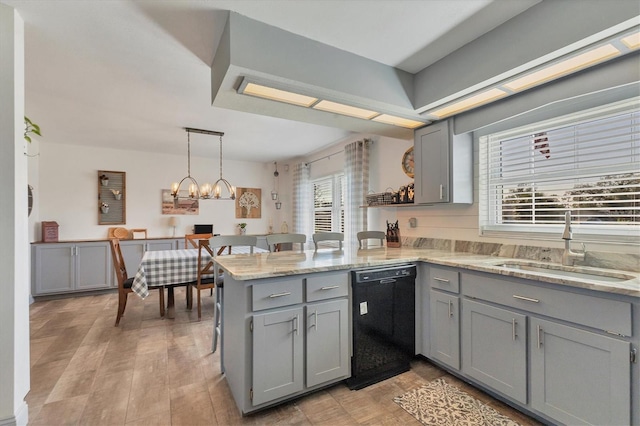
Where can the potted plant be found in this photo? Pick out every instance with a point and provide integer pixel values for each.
(104, 180)
(117, 194)
(242, 227)
(104, 207)
(30, 127)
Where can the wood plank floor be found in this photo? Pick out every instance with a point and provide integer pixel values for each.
(152, 371)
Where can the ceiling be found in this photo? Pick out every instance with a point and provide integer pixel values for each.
(133, 74)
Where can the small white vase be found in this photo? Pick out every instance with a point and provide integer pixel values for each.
(105, 210)
(118, 196)
(243, 231)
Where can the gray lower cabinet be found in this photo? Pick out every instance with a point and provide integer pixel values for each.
(285, 336)
(70, 267)
(445, 328)
(327, 333)
(278, 362)
(494, 342)
(579, 377)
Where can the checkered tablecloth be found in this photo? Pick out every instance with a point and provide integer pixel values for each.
(164, 267)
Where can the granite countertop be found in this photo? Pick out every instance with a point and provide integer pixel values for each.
(267, 265)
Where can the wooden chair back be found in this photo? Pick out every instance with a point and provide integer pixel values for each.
(118, 262)
(328, 236)
(364, 236)
(191, 240)
(274, 240)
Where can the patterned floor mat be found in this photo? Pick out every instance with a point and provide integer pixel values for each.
(439, 403)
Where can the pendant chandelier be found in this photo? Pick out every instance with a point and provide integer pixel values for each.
(206, 191)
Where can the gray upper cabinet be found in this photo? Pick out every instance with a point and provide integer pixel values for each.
(443, 165)
(69, 267)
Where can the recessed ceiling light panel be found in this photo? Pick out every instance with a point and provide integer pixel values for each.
(273, 94)
(471, 102)
(345, 110)
(398, 121)
(567, 66)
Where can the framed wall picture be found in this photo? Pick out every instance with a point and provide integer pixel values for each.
(248, 203)
(179, 206)
(112, 200)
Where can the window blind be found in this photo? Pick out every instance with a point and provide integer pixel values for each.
(587, 163)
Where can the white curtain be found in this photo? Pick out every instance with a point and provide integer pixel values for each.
(356, 185)
(302, 201)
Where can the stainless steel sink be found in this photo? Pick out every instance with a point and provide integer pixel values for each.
(566, 272)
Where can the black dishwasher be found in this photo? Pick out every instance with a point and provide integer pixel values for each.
(383, 306)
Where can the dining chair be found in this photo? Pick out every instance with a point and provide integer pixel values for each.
(275, 241)
(205, 271)
(191, 240)
(216, 243)
(124, 282)
(364, 236)
(328, 236)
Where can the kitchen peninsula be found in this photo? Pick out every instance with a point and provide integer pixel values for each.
(273, 307)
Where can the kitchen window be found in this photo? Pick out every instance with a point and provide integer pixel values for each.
(328, 204)
(587, 163)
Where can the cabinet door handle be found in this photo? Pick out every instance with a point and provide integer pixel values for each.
(73, 250)
(273, 296)
(450, 308)
(514, 323)
(442, 280)
(330, 287)
(315, 314)
(441, 190)
(526, 299)
(295, 324)
(539, 337)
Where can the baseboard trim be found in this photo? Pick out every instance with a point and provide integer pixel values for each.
(20, 417)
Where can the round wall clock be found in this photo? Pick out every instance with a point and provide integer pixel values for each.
(407, 162)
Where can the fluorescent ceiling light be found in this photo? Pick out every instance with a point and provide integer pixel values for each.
(632, 41)
(468, 103)
(345, 110)
(278, 95)
(398, 121)
(564, 67)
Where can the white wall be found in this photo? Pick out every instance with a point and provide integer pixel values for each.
(66, 191)
(14, 251)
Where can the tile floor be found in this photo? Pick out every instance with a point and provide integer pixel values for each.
(152, 371)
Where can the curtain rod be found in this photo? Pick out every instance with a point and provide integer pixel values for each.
(325, 157)
(335, 153)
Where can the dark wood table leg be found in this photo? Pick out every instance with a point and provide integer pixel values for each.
(171, 306)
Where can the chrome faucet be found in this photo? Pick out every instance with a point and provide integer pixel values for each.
(568, 256)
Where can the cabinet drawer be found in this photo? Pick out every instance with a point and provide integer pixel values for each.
(591, 311)
(444, 278)
(282, 292)
(327, 286)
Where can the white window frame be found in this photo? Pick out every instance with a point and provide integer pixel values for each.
(337, 204)
(489, 218)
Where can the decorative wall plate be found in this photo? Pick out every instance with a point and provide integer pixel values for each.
(407, 162)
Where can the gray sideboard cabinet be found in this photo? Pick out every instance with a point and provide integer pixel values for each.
(70, 267)
(443, 164)
(291, 337)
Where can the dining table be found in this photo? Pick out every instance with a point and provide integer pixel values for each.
(172, 268)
